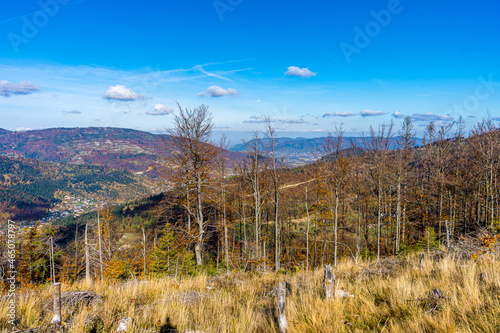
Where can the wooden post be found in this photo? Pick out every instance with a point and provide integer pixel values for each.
(56, 320)
(421, 260)
(329, 282)
(282, 323)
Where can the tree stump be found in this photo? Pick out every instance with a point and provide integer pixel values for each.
(56, 320)
(124, 324)
(329, 282)
(421, 260)
(282, 323)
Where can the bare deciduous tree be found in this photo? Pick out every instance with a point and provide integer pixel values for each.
(336, 168)
(192, 158)
(378, 144)
(270, 132)
(406, 141)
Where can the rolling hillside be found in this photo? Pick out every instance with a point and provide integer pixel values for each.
(118, 148)
(28, 187)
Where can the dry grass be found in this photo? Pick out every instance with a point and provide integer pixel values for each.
(392, 302)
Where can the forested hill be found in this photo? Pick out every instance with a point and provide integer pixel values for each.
(118, 148)
(28, 187)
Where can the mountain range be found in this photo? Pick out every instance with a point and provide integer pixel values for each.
(300, 151)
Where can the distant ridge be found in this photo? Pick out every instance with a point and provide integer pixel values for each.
(300, 150)
(119, 148)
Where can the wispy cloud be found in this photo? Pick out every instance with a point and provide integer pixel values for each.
(159, 110)
(256, 120)
(211, 74)
(430, 117)
(301, 72)
(338, 114)
(221, 74)
(216, 91)
(371, 113)
(72, 112)
(262, 120)
(293, 121)
(22, 88)
(121, 93)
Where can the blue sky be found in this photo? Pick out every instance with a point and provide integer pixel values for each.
(309, 66)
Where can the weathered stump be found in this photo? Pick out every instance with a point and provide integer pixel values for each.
(282, 323)
(436, 293)
(124, 324)
(329, 282)
(422, 257)
(56, 320)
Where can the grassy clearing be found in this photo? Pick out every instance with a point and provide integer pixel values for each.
(130, 239)
(394, 302)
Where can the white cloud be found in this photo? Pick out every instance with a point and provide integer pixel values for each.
(398, 115)
(121, 93)
(71, 112)
(159, 110)
(430, 117)
(22, 88)
(216, 91)
(302, 72)
(371, 113)
(338, 114)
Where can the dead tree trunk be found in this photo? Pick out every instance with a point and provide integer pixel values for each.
(329, 282)
(144, 252)
(56, 306)
(87, 254)
(282, 323)
(336, 228)
(307, 234)
(198, 248)
(448, 234)
(52, 265)
(398, 217)
(100, 244)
